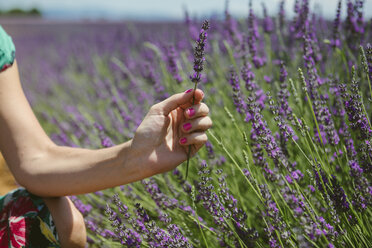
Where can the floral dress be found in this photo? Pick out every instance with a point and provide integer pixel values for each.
(25, 220)
(7, 50)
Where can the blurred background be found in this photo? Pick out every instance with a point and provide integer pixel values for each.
(149, 10)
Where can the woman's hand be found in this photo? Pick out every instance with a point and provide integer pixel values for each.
(161, 141)
(47, 169)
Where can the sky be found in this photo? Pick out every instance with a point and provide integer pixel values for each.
(162, 9)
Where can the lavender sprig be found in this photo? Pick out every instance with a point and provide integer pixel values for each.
(198, 68)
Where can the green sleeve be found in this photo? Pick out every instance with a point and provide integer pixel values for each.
(7, 50)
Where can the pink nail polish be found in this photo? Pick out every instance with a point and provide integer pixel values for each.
(188, 91)
(190, 112)
(183, 140)
(187, 126)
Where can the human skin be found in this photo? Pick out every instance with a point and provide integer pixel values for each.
(47, 169)
(50, 170)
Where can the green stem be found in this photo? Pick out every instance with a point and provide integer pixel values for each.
(189, 152)
(236, 165)
(315, 120)
(201, 230)
(236, 235)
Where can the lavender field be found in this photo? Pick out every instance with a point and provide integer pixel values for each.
(289, 157)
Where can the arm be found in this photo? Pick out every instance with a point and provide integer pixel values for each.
(50, 170)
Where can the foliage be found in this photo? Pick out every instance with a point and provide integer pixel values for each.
(288, 163)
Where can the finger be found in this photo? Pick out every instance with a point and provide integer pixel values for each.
(197, 110)
(177, 100)
(197, 138)
(199, 95)
(198, 124)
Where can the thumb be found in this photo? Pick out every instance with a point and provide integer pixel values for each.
(178, 100)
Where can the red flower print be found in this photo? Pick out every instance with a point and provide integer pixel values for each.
(13, 224)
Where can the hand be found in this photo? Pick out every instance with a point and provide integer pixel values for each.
(161, 141)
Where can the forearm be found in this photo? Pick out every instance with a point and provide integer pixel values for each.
(46, 169)
(70, 171)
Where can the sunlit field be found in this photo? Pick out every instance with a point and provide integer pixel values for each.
(288, 161)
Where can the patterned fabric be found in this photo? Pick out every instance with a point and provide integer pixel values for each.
(7, 50)
(25, 221)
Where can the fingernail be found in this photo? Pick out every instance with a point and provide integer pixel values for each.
(183, 140)
(188, 91)
(190, 112)
(187, 126)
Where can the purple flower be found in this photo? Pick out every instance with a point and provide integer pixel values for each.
(105, 141)
(267, 79)
(268, 25)
(237, 95)
(300, 22)
(283, 72)
(154, 80)
(231, 28)
(199, 52)
(297, 175)
(272, 216)
(298, 211)
(246, 173)
(312, 189)
(84, 209)
(281, 15)
(353, 106)
(171, 59)
(162, 200)
(338, 196)
(354, 26)
(289, 179)
(369, 60)
(335, 42)
(253, 36)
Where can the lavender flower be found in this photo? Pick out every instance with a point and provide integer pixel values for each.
(126, 236)
(172, 63)
(300, 22)
(248, 235)
(353, 106)
(369, 60)
(84, 209)
(252, 38)
(211, 201)
(162, 200)
(105, 141)
(321, 111)
(252, 88)
(154, 80)
(237, 95)
(231, 28)
(209, 147)
(198, 67)
(193, 31)
(283, 72)
(267, 21)
(199, 53)
(275, 189)
(335, 42)
(281, 15)
(338, 196)
(354, 26)
(286, 132)
(274, 220)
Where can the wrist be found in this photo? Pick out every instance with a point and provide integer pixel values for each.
(135, 166)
